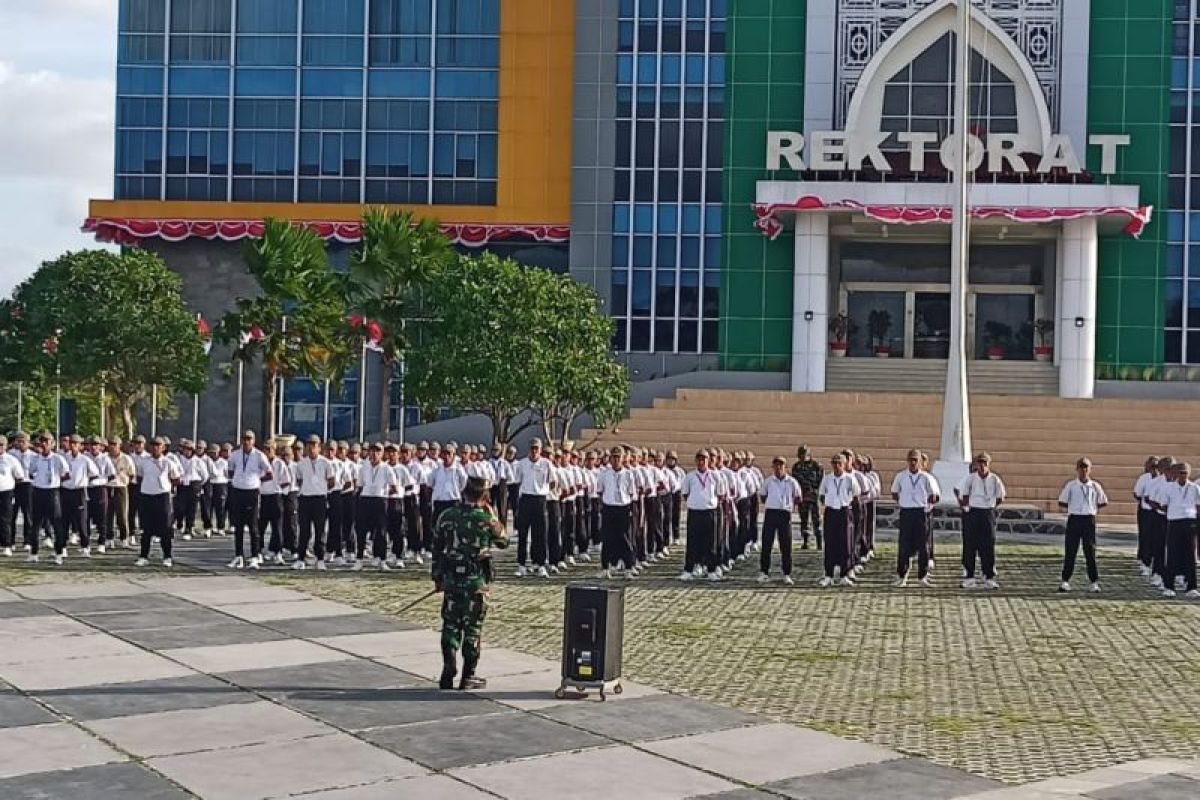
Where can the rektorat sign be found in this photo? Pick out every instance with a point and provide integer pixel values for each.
(842, 151)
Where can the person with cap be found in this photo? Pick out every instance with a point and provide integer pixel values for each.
(248, 468)
(75, 497)
(462, 571)
(187, 498)
(979, 495)
(781, 494)
(1157, 544)
(50, 469)
(914, 490)
(291, 451)
(675, 503)
(414, 535)
(808, 473)
(533, 476)
(125, 472)
(397, 521)
(1082, 498)
(218, 487)
(429, 462)
(315, 477)
(159, 474)
(270, 512)
(376, 485)
(618, 492)
(580, 467)
(23, 493)
(11, 471)
(756, 483)
(447, 481)
(98, 492)
(702, 495)
(1179, 500)
(503, 469)
(838, 492)
(204, 495)
(334, 550)
(1140, 494)
(137, 453)
(514, 486)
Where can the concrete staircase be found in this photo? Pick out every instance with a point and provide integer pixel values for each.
(920, 376)
(1034, 441)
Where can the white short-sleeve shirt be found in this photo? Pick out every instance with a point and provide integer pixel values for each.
(1083, 499)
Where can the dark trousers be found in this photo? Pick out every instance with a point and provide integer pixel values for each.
(118, 512)
(914, 540)
(270, 515)
(742, 540)
(654, 524)
(637, 529)
(47, 519)
(334, 517)
(156, 521)
(372, 521)
(553, 532)
(597, 524)
(583, 524)
(839, 544)
(1181, 552)
(97, 503)
(220, 505)
(395, 528)
(1081, 528)
(777, 524)
(500, 501)
(1156, 544)
(289, 519)
(206, 515)
(74, 507)
(6, 518)
(531, 523)
(676, 506)
(312, 512)
(810, 511)
(412, 522)
(701, 549)
(615, 523)
(981, 524)
(349, 532)
(22, 506)
(243, 510)
(426, 518)
(185, 506)
(1143, 530)
(755, 505)
(566, 528)
(514, 497)
(868, 534)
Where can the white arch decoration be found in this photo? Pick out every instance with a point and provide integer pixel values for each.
(987, 38)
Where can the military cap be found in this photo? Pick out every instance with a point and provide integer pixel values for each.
(162, 440)
(450, 448)
(568, 446)
(375, 446)
(166, 440)
(185, 443)
(140, 439)
(616, 451)
(406, 447)
(434, 446)
(424, 445)
(1083, 462)
(477, 485)
(673, 454)
(313, 439)
(89, 440)
(389, 446)
(356, 447)
(247, 434)
(76, 438)
(214, 448)
(115, 440)
(19, 435)
(535, 442)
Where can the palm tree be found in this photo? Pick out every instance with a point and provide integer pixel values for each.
(398, 255)
(295, 322)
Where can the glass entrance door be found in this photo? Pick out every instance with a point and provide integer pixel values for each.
(877, 323)
(931, 325)
(1004, 326)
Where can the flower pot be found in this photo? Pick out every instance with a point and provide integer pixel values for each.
(1043, 353)
(838, 349)
(995, 353)
(883, 351)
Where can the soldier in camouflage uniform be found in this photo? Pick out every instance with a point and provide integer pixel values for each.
(462, 547)
(808, 473)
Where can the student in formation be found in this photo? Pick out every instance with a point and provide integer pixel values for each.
(702, 496)
(781, 493)
(218, 484)
(119, 502)
(248, 468)
(937, 490)
(1157, 544)
(979, 495)
(314, 479)
(1082, 498)
(915, 491)
(1145, 513)
(532, 476)
(838, 492)
(376, 483)
(618, 491)
(1180, 501)
(12, 470)
(159, 474)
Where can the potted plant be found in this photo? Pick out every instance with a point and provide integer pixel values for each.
(879, 323)
(840, 328)
(997, 337)
(1044, 328)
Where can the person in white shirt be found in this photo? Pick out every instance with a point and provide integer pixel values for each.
(838, 492)
(49, 471)
(979, 495)
(248, 468)
(1141, 491)
(398, 522)
(23, 495)
(499, 490)
(314, 478)
(652, 504)
(676, 502)
(937, 489)
(119, 502)
(270, 509)
(333, 545)
(756, 483)
(914, 491)
(618, 490)
(559, 506)
(532, 476)
(11, 471)
(1180, 501)
(98, 492)
(781, 493)
(1082, 498)
(1156, 544)
(702, 494)
(447, 481)
(218, 486)
(376, 484)
(412, 503)
(743, 490)
(866, 468)
(191, 485)
(352, 459)
(74, 497)
(159, 474)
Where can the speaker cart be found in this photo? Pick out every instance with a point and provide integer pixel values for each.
(593, 635)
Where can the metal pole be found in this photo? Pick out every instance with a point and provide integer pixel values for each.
(103, 433)
(952, 465)
(241, 376)
(326, 411)
(402, 402)
(195, 417)
(362, 394)
(58, 412)
(282, 388)
(20, 406)
(154, 410)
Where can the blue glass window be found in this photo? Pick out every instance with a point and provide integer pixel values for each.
(201, 16)
(139, 80)
(142, 16)
(331, 83)
(267, 51)
(333, 16)
(267, 16)
(198, 81)
(266, 82)
(398, 83)
(333, 51)
(400, 17)
(468, 16)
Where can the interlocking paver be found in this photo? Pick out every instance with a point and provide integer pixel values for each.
(383, 645)
(353, 678)
(85, 645)
(17, 711)
(220, 633)
(307, 608)
(68, 589)
(150, 619)
(41, 676)
(100, 605)
(258, 655)
(336, 626)
(104, 782)
(362, 710)
(426, 787)
(46, 748)
(23, 608)
(144, 697)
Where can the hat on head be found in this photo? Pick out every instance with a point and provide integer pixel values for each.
(423, 445)
(247, 434)
(185, 443)
(535, 442)
(356, 447)
(450, 448)
(375, 446)
(18, 435)
(160, 440)
(313, 439)
(90, 440)
(214, 448)
(477, 485)
(406, 447)
(673, 454)
(114, 440)
(389, 446)
(140, 439)
(284, 440)
(76, 438)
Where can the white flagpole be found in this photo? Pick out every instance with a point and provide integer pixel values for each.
(102, 414)
(20, 405)
(400, 424)
(282, 383)
(362, 394)
(154, 410)
(241, 376)
(326, 413)
(195, 417)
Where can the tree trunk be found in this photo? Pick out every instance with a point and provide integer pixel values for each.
(385, 403)
(499, 427)
(269, 405)
(127, 404)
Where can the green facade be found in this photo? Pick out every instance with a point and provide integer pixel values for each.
(1129, 72)
(765, 91)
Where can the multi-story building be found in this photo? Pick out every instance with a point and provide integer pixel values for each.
(730, 174)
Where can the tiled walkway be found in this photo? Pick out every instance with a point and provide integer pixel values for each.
(221, 687)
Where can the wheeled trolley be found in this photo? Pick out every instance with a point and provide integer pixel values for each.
(593, 637)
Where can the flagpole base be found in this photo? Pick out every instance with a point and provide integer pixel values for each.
(950, 474)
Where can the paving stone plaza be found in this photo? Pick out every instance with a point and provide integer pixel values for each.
(121, 683)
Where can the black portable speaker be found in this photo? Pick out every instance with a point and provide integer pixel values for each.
(593, 633)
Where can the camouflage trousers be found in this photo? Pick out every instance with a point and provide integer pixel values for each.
(462, 624)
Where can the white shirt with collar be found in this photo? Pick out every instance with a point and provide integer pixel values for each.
(377, 480)
(404, 479)
(106, 471)
(48, 471)
(194, 470)
(1181, 501)
(534, 476)
(1155, 490)
(618, 487)
(157, 475)
(781, 494)
(125, 468)
(248, 469)
(1141, 490)
(447, 483)
(280, 480)
(218, 470)
(11, 472)
(26, 458)
(982, 493)
(82, 470)
(914, 488)
(1083, 499)
(312, 476)
(839, 491)
(703, 490)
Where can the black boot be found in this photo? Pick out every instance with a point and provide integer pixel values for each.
(820, 541)
(470, 680)
(449, 668)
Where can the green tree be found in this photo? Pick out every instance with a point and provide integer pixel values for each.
(508, 342)
(296, 324)
(93, 320)
(388, 272)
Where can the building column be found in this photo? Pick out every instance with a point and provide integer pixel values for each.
(810, 302)
(1077, 310)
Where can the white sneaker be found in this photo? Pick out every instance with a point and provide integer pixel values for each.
(764, 577)
(719, 571)
(715, 576)
(73, 540)
(900, 583)
(208, 534)
(1094, 588)
(635, 570)
(729, 566)
(339, 561)
(825, 582)
(47, 542)
(837, 573)
(931, 565)
(1064, 587)
(847, 582)
(927, 582)
(666, 553)
(962, 572)
(28, 548)
(7, 552)
(101, 549)
(968, 583)
(32, 559)
(585, 558)
(391, 561)
(787, 580)
(553, 569)
(130, 544)
(280, 560)
(321, 565)
(757, 547)
(520, 573)
(1156, 582)
(187, 537)
(570, 561)
(255, 562)
(86, 552)
(1168, 592)
(1180, 583)
(741, 557)
(237, 563)
(417, 559)
(870, 555)
(58, 562)
(542, 573)
(685, 576)
(1144, 570)
(299, 564)
(698, 572)
(1193, 595)
(562, 566)
(356, 565)
(862, 561)
(141, 562)
(991, 583)
(168, 563)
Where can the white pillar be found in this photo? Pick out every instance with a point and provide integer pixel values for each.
(810, 302)
(1077, 303)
